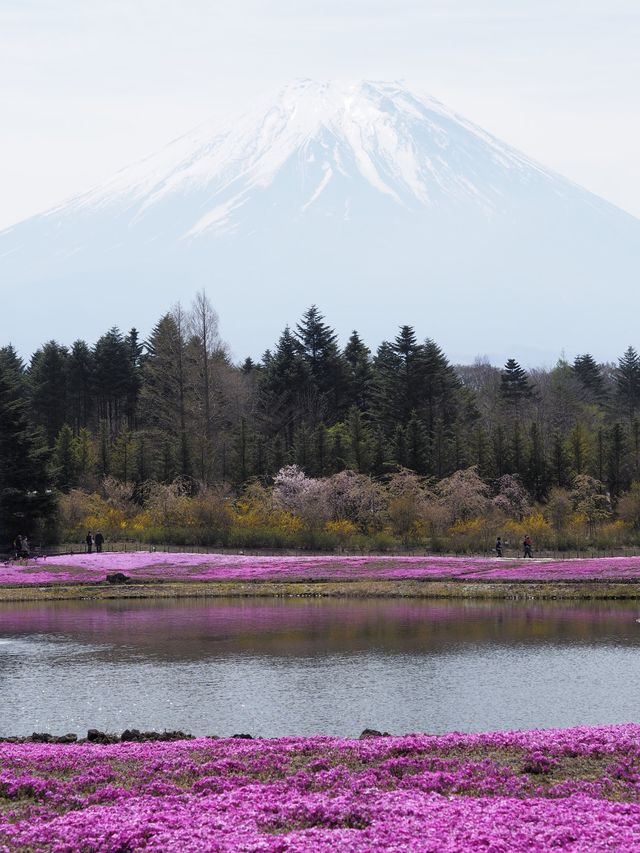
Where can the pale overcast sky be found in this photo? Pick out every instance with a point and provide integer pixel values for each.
(87, 86)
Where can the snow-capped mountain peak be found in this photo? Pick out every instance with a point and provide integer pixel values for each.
(380, 205)
(379, 136)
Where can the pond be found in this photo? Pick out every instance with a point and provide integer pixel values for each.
(275, 667)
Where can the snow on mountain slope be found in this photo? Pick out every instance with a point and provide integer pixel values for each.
(414, 151)
(381, 206)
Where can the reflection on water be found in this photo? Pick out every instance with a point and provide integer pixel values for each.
(275, 667)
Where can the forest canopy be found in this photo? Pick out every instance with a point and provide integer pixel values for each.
(112, 426)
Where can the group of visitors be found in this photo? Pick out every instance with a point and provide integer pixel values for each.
(97, 540)
(527, 546)
(21, 547)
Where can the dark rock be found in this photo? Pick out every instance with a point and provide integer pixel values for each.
(367, 733)
(242, 737)
(133, 735)
(96, 736)
(68, 738)
(177, 735)
(42, 737)
(118, 577)
(137, 736)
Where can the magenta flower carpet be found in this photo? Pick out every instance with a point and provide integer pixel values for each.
(150, 565)
(576, 790)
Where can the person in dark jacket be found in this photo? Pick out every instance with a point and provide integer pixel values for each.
(99, 540)
(17, 546)
(499, 546)
(89, 541)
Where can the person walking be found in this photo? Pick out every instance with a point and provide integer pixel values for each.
(528, 549)
(499, 546)
(17, 546)
(99, 540)
(89, 541)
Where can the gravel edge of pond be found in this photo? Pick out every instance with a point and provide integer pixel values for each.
(507, 590)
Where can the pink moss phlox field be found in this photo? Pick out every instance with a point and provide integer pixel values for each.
(575, 789)
(150, 566)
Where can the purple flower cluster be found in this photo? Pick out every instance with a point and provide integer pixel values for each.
(575, 789)
(142, 565)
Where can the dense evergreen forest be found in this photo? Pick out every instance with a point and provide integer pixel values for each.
(124, 421)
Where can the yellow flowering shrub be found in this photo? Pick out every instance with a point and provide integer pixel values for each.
(342, 529)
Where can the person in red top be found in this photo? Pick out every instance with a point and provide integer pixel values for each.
(528, 548)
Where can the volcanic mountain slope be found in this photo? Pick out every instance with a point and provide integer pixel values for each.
(380, 206)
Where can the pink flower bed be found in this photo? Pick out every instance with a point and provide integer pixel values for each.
(141, 565)
(574, 789)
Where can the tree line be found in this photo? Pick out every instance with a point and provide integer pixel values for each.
(176, 407)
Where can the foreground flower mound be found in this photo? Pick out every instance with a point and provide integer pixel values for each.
(159, 566)
(575, 789)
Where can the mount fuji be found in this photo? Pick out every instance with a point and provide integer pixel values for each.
(381, 206)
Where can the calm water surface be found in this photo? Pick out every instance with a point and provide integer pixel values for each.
(271, 667)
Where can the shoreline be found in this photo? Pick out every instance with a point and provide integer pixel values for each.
(366, 588)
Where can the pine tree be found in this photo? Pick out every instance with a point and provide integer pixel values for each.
(302, 444)
(439, 449)
(63, 461)
(416, 443)
(122, 458)
(588, 373)
(379, 454)
(514, 385)
(439, 388)
(136, 349)
(359, 373)
(635, 443)
(399, 446)
(80, 370)
(47, 378)
(284, 382)
(326, 367)
(165, 395)
(27, 504)
(627, 378)
(113, 374)
(359, 437)
(338, 451)
(617, 479)
(398, 371)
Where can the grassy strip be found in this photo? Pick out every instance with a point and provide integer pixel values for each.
(458, 589)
